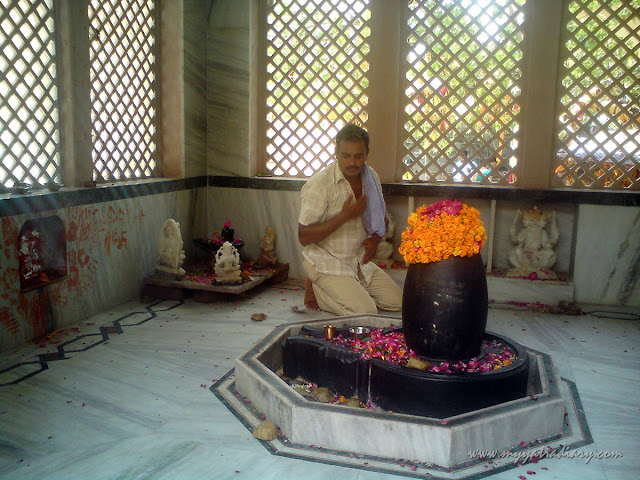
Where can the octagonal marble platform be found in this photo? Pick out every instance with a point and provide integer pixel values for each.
(313, 430)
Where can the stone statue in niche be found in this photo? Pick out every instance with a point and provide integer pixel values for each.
(227, 265)
(267, 249)
(385, 248)
(170, 252)
(533, 255)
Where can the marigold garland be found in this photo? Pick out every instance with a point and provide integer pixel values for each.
(445, 228)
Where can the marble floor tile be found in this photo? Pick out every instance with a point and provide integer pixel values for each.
(126, 393)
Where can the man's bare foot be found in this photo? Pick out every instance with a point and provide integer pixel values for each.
(309, 297)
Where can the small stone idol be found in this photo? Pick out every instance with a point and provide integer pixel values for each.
(267, 249)
(227, 266)
(170, 252)
(533, 255)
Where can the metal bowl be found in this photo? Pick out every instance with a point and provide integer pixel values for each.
(358, 333)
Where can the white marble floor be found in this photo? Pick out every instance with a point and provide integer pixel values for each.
(138, 404)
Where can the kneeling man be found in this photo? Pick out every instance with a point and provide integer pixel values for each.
(342, 221)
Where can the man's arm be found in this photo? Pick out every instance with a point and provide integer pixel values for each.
(316, 232)
(370, 247)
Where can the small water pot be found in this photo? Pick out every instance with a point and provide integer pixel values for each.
(330, 332)
(358, 333)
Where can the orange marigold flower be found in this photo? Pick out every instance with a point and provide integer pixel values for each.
(445, 228)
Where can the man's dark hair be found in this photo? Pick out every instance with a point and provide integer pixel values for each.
(351, 132)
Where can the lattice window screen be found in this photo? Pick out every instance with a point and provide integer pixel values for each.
(123, 88)
(317, 65)
(29, 129)
(598, 137)
(463, 68)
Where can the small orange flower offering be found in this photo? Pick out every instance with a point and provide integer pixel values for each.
(443, 229)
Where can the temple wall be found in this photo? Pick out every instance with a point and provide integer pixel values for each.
(112, 243)
(110, 247)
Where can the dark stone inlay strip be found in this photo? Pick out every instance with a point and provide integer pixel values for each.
(43, 366)
(50, 357)
(104, 332)
(592, 197)
(582, 417)
(43, 200)
(258, 183)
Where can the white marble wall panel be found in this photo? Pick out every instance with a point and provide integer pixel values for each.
(250, 212)
(111, 247)
(607, 266)
(195, 86)
(228, 74)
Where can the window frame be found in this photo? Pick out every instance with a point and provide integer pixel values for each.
(55, 109)
(542, 34)
(71, 39)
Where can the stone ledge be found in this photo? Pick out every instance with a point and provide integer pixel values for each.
(549, 292)
(162, 287)
(505, 289)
